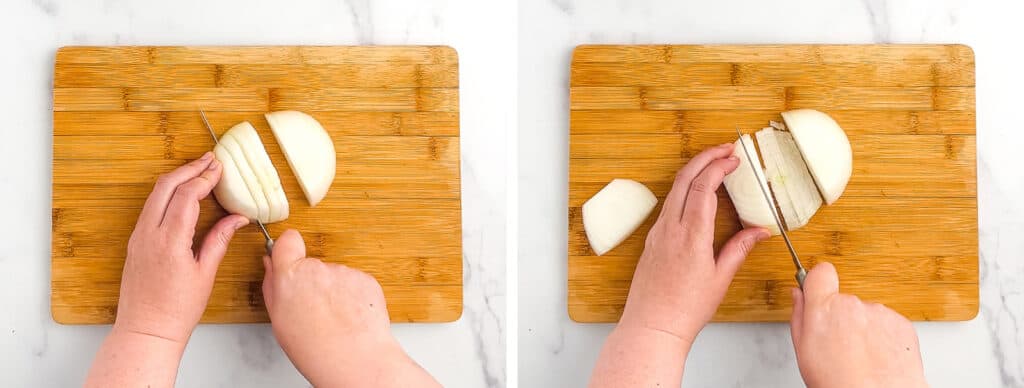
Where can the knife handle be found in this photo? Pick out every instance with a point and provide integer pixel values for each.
(800, 275)
(270, 247)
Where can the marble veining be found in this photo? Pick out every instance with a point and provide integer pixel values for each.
(362, 19)
(1002, 306)
(257, 345)
(48, 7)
(878, 15)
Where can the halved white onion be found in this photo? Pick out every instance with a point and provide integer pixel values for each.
(809, 159)
(309, 151)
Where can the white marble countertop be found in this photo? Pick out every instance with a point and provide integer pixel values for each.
(491, 39)
(555, 352)
(36, 352)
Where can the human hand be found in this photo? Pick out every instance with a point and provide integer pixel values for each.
(332, 321)
(165, 285)
(679, 282)
(841, 341)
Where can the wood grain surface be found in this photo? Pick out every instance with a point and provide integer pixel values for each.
(905, 233)
(125, 115)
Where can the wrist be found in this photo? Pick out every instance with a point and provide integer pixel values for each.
(164, 330)
(654, 336)
(364, 361)
(154, 322)
(673, 326)
(156, 343)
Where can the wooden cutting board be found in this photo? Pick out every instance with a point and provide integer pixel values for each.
(124, 115)
(905, 233)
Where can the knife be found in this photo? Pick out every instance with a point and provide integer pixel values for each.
(801, 273)
(269, 244)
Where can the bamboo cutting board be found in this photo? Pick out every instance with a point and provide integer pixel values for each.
(903, 234)
(124, 115)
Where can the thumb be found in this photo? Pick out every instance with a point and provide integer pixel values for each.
(796, 323)
(735, 251)
(821, 282)
(288, 249)
(215, 244)
(268, 282)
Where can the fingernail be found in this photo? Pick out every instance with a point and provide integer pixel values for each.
(734, 158)
(724, 145)
(213, 165)
(763, 235)
(206, 156)
(243, 222)
(792, 293)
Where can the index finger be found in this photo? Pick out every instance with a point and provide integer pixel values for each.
(821, 282)
(702, 200)
(156, 204)
(183, 209)
(676, 199)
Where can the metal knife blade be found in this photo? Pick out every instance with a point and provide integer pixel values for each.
(269, 243)
(801, 273)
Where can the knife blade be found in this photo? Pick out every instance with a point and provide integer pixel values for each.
(269, 242)
(801, 273)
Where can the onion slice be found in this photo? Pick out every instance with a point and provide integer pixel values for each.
(229, 143)
(231, 192)
(742, 186)
(258, 160)
(791, 182)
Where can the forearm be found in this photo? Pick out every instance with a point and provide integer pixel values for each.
(132, 359)
(635, 356)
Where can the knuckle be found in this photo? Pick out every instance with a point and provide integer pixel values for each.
(371, 283)
(165, 180)
(700, 185)
(746, 246)
(363, 277)
(189, 190)
(706, 155)
(847, 300)
(224, 237)
(315, 261)
(681, 173)
(651, 238)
